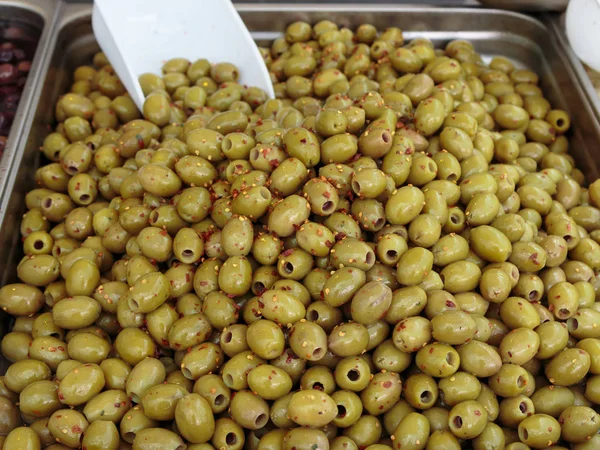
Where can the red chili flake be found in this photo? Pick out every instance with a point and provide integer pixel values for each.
(274, 163)
(387, 384)
(477, 412)
(76, 429)
(431, 350)
(140, 141)
(450, 304)
(287, 252)
(289, 358)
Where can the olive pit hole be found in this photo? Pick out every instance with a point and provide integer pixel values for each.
(379, 222)
(219, 399)
(187, 373)
(318, 352)
(341, 411)
(133, 305)
(563, 312)
(387, 137)
(230, 438)
(432, 167)
(458, 422)
(426, 396)
(288, 267)
(450, 359)
(533, 295)
(38, 245)
(226, 144)
(327, 206)
(523, 407)
(71, 170)
(454, 219)
(318, 386)
(129, 436)
(228, 379)
(521, 381)
(572, 324)
(84, 198)
(55, 335)
(264, 193)
(392, 254)
(568, 238)
(370, 258)
(187, 253)
(524, 433)
(313, 316)
(560, 122)
(259, 286)
(452, 177)
(227, 337)
(47, 203)
(356, 187)
(153, 217)
(353, 375)
(261, 420)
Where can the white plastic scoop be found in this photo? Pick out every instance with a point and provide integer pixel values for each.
(583, 29)
(138, 36)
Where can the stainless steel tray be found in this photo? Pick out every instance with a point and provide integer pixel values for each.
(523, 39)
(557, 27)
(40, 15)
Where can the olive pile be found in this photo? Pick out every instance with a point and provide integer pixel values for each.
(396, 253)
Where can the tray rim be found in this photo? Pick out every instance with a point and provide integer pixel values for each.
(575, 63)
(49, 11)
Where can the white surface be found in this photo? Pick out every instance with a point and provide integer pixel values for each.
(583, 30)
(137, 36)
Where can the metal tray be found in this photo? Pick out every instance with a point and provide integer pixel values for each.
(523, 39)
(556, 24)
(39, 15)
